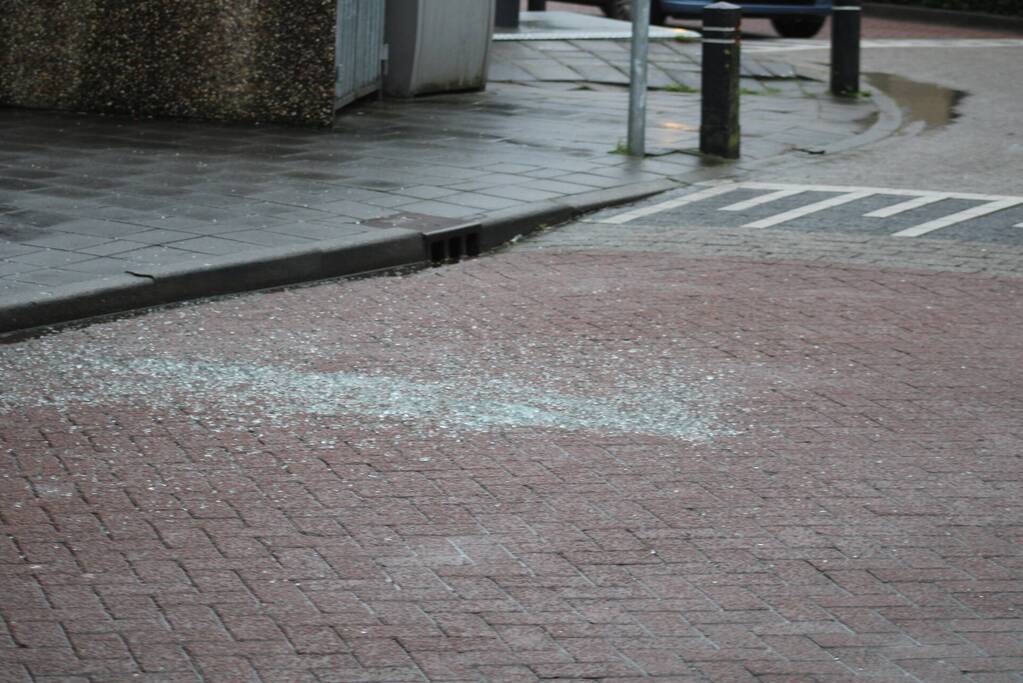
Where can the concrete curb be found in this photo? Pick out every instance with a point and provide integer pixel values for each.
(503, 226)
(943, 16)
(260, 269)
(257, 269)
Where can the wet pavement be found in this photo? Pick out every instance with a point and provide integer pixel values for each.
(926, 105)
(101, 204)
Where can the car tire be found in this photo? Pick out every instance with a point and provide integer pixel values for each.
(622, 10)
(801, 26)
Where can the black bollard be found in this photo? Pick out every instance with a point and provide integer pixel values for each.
(537, 5)
(507, 15)
(719, 122)
(845, 48)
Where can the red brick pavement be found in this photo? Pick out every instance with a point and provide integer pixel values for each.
(186, 495)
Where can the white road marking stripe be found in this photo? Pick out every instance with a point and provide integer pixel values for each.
(909, 205)
(959, 217)
(762, 199)
(1018, 225)
(671, 204)
(873, 190)
(846, 194)
(809, 209)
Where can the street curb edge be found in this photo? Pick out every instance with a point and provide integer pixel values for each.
(502, 226)
(258, 269)
(266, 268)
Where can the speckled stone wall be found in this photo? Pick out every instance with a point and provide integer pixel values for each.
(229, 60)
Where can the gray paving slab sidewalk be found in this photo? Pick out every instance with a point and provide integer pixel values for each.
(102, 213)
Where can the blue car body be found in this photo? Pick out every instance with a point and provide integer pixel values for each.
(791, 18)
(750, 8)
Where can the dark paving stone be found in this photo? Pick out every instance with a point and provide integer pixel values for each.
(65, 241)
(320, 231)
(413, 221)
(19, 185)
(160, 256)
(112, 247)
(265, 238)
(520, 193)
(62, 192)
(14, 267)
(482, 201)
(213, 246)
(138, 203)
(90, 182)
(158, 236)
(426, 192)
(9, 287)
(52, 277)
(556, 186)
(100, 228)
(101, 266)
(352, 209)
(441, 209)
(21, 234)
(41, 219)
(12, 250)
(50, 257)
(27, 173)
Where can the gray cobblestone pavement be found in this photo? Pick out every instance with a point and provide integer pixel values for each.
(672, 63)
(94, 204)
(712, 227)
(789, 245)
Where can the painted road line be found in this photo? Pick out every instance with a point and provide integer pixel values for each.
(1018, 225)
(671, 204)
(762, 199)
(809, 209)
(909, 205)
(959, 217)
(845, 193)
(843, 189)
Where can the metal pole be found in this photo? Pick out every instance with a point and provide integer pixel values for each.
(507, 14)
(719, 106)
(845, 48)
(637, 77)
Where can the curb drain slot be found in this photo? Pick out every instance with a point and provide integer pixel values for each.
(453, 244)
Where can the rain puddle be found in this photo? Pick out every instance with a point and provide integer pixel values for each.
(927, 106)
